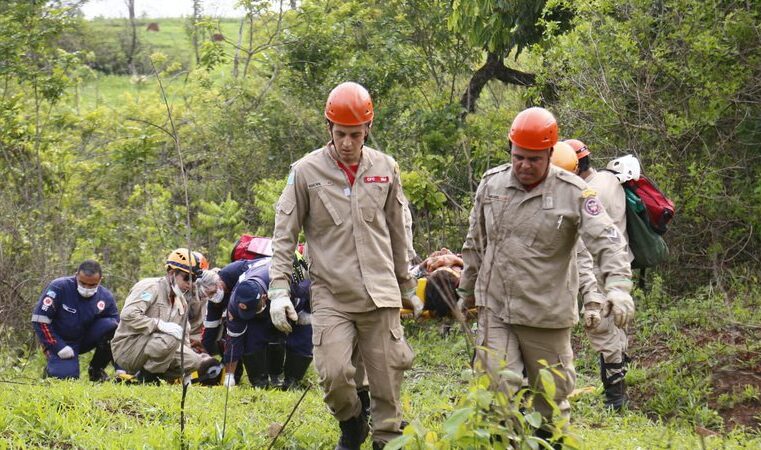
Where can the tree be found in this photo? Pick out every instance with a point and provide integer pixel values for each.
(500, 27)
(131, 45)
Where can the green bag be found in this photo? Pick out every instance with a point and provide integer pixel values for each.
(647, 246)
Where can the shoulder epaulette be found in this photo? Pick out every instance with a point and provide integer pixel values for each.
(570, 178)
(495, 170)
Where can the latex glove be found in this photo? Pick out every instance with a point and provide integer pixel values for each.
(66, 353)
(281, 309)
(620, 304)
(592, 316)
(170, 328)
(417, 305)
(305, 318)
(229, 380)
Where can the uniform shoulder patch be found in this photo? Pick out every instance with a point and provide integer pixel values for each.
(592, 206)
(51, 293)
(496, 170)
(146, 296)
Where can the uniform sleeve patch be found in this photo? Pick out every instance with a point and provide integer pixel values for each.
(51, 294)
(101, 305)
(47, 301)
(612, 234)
(146, 296)
(592, 206)
(588, 192)
(291, 177)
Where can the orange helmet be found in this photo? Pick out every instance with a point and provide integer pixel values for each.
(564, 156)
(203, 263)
(349, 104)
(182, 259)
(534, 129)
(581, 148)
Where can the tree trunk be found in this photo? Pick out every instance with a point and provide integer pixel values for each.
(494, 68)
(132, 48)
(194, 25)
(236, 58)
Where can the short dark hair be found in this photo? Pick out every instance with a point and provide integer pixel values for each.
(584, 164)
(90, 267)
(441, 292)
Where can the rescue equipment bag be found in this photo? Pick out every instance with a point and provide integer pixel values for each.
(251, 247)
(647, 246)
(658, 207)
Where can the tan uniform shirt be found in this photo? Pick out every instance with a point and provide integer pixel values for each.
(356, 235)
(611, 194)
(146, 304)
(520, 255)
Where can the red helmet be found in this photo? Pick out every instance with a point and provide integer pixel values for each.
(349, 104)
(534, 129)
(581, 148)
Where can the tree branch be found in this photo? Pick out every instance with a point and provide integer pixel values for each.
(494, 68)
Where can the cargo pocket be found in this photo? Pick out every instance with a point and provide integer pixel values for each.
(565, 386)
(401, 350)
(329, 207)
(317, 336)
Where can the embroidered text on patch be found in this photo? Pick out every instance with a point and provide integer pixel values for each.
(376, 179)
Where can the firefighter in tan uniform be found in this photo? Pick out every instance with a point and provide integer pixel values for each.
(520, 260)
(348, 199)
(147, 340)
(605, 337)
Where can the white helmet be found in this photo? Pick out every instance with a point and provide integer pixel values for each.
(626, 168)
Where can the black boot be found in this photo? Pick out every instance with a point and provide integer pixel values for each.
(210, 372)
(353, 432)
(145, 377)
(100, 359)
(295, 367)
(256, 368)
(614, 384)
(364, 398)
(546, 435)
(275, 360)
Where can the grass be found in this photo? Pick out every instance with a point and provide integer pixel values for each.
(674, 403)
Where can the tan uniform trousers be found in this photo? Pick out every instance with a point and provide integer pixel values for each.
(608, 339)
(379, 339)
(158, 353)
(518, 347)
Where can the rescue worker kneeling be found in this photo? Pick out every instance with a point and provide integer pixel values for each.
(74, 315)
(147, 340)
(252, 338)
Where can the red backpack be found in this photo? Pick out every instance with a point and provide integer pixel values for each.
(252, 247)
(660, 209)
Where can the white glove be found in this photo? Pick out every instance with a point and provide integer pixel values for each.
(170, 328)
(305, 318)
(66, 353)
(417, 305)
(621, 305)
(592, 315)
(230, 380)
(281, 309)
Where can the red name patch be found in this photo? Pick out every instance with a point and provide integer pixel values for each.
(376, 179)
